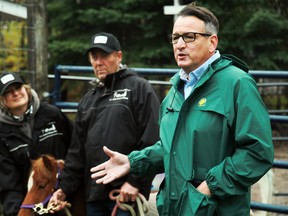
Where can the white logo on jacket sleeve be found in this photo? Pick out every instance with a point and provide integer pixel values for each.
(121, 94)
(49, 131)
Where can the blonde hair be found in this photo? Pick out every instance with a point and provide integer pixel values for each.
(3, 106)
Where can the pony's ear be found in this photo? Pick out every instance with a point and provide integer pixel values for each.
(61, 163)
(48, 163)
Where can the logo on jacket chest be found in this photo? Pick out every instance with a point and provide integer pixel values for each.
(202, 102)
(121, 94)
(49, 131)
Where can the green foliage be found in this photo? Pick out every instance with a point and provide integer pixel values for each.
(13, 56)
(140, 26)
(255, 31)
(264, 31)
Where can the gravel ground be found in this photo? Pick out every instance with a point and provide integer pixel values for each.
(280, 193)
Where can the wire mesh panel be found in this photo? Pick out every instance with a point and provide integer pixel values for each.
(13, 37)
(23, 41)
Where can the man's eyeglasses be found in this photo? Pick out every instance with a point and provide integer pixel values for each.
(187, 37)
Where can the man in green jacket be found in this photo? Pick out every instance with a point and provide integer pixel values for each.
(215, 130)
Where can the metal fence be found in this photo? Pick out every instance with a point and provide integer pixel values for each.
(66, 72)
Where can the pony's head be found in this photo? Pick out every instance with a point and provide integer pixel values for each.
(42, 181)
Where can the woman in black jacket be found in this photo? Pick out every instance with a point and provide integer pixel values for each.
(28, 128)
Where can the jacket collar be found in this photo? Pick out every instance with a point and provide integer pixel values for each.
(224, 61)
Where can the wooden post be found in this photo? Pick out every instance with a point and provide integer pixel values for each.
(38, 66)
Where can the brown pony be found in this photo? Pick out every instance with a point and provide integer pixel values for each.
(42, 182)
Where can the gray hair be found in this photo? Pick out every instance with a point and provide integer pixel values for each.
(202, 13)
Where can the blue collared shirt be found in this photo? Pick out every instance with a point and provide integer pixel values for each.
(194, 76)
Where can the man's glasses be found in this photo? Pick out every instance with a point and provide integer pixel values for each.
(187, 37)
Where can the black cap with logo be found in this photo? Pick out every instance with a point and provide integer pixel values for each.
(7, 79)
(105, 41)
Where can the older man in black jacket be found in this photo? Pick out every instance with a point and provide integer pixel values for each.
(121, 112)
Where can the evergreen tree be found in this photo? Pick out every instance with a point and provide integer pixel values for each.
(140, 26)
(255, 31)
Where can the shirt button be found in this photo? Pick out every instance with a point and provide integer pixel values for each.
(174, 153)
(172, 194)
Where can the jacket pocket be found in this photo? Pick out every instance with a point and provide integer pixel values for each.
(194, 203)
(19, 151)
(160, 199)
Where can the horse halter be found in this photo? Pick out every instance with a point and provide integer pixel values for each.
(39, 207)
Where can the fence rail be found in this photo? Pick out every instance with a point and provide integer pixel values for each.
(59, 69)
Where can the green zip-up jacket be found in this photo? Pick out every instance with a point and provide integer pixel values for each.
(221, 133)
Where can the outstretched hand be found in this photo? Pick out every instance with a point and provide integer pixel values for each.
(117, 166)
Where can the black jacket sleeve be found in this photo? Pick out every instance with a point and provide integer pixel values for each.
(146, 112)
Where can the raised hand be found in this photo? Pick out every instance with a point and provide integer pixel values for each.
(117, 166)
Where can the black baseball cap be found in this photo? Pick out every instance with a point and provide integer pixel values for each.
(105, 41)
(7, 79)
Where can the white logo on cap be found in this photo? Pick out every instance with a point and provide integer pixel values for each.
(100, 39)
(7, 78)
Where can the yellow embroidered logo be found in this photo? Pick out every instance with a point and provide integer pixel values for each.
(202, 102)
